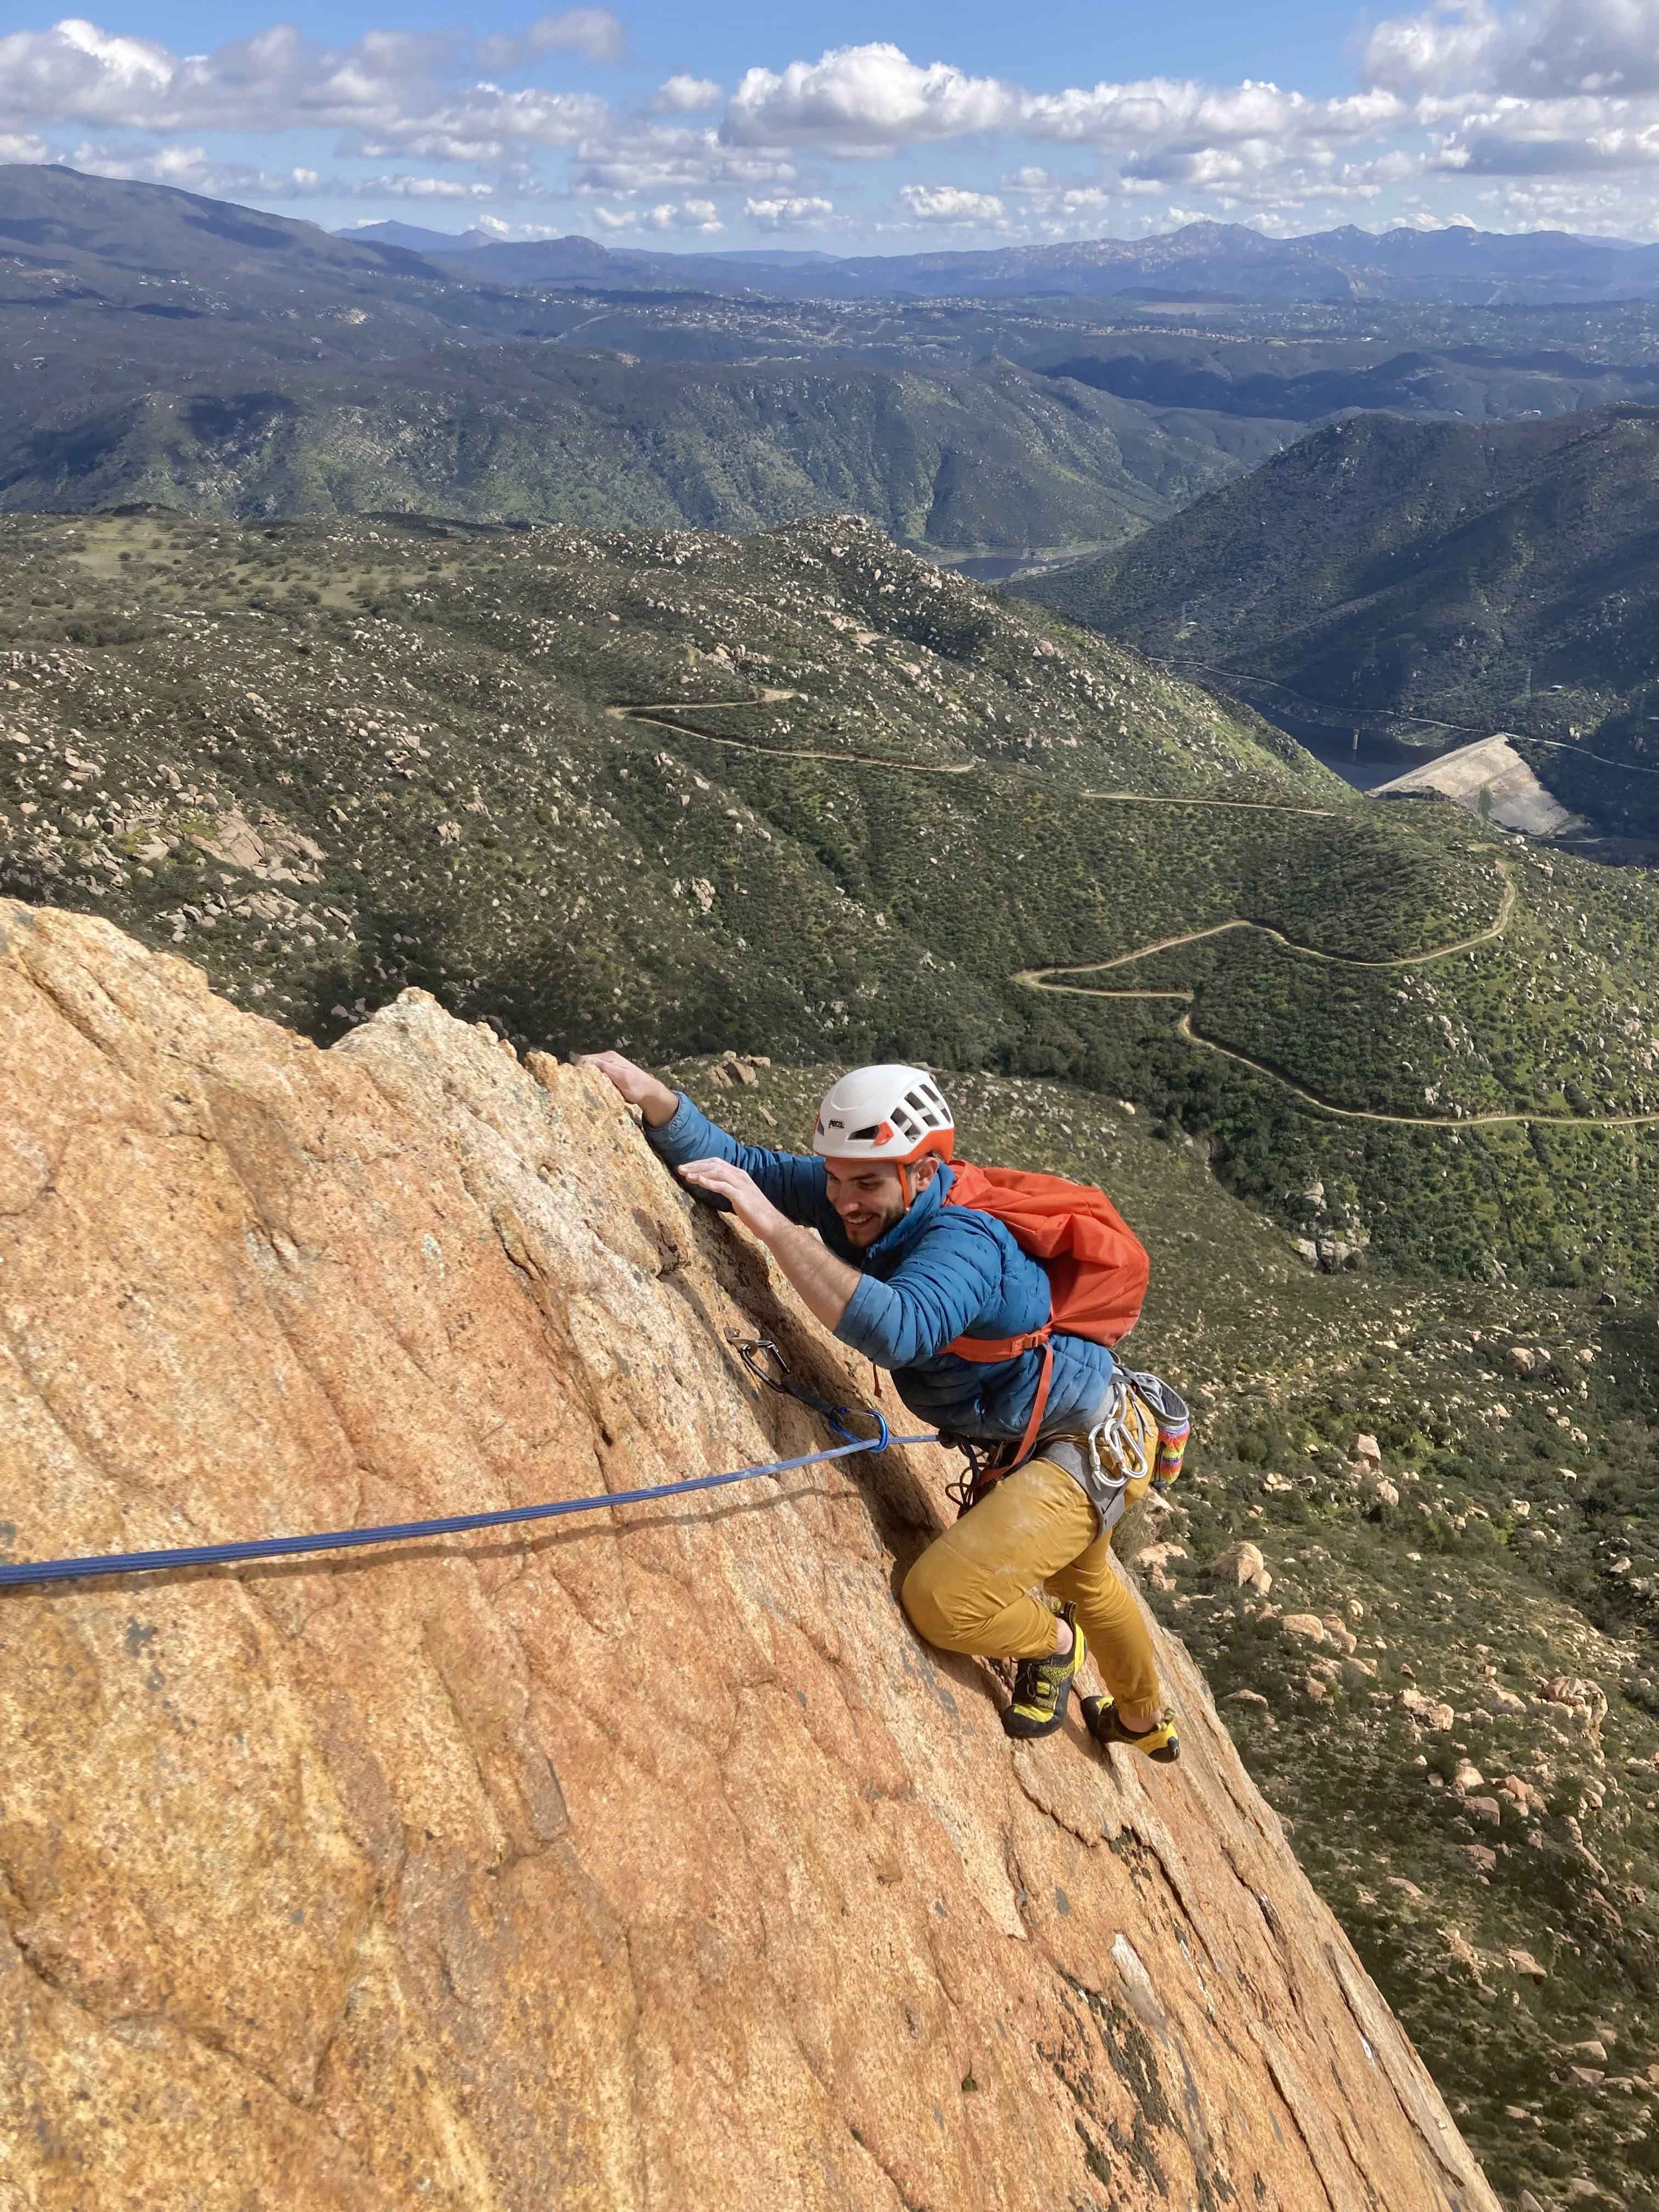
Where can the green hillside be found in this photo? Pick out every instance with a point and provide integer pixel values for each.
(1440, 576)
(802, 792)
(993, 459)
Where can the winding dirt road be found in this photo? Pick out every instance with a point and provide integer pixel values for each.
(1036, 978)
(659, 713)
(1039, 979)
(659, 710)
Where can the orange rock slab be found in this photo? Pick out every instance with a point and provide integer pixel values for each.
(639, 1862)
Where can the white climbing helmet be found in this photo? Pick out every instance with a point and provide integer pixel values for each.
(886, 1113)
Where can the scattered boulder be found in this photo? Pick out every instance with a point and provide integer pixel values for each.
(1382, 1491)
(1585, 1700)
(1529, 1358)
(1338, 1632)
(1429, 1711)
(1481, 1858)
(1239, 1563)
(1524, 1963)
(1244, 1697)
(1529, 1799)
(1335, 1252)
(1154, 1563)
(1307, 1627)
(1467, 1775)
(1368, 1451)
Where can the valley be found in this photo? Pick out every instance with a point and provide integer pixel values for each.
(1438, 580)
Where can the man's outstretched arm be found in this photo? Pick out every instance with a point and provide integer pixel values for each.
(680, 1133)
(825, 1283)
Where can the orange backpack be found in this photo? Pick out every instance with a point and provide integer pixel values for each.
(1096, 1264)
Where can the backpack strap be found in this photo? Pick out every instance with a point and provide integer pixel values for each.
(1027, 1443)
(986, 1351)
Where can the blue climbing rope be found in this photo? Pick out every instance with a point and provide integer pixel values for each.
(29, 1572)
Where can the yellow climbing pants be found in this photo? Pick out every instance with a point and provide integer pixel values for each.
(971, 1590)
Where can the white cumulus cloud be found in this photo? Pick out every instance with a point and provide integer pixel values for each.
(661, 158)
(783, 212)
(950, 203)
(685, 96)
(1541, 49)
(701, 216)
(1546, 89)
(863, 101)
(396, 89)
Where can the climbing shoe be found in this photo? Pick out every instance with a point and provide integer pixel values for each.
(1041, 1687)
(1159, 1742)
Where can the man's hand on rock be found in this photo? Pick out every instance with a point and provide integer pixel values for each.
(721, 1180)
(826, 1282)
(638, 1085)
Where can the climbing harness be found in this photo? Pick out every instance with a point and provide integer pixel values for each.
(753, 1352)
(1107, 1459)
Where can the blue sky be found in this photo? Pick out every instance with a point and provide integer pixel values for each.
(855, 128)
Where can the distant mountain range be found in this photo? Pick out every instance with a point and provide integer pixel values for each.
(157, 346)
(1481, 576)
(1471, 267)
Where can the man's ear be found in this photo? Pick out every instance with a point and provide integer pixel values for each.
(923, 1171)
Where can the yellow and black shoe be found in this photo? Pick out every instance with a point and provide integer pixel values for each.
(1042, 1686)
(1160, 1742)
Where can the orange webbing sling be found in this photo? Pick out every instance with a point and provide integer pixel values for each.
(1096, 1264)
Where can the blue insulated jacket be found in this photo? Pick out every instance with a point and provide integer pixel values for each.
(940, 1272)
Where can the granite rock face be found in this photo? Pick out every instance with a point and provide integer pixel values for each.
(638, 1862)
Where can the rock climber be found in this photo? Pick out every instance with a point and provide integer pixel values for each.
(864, 1228)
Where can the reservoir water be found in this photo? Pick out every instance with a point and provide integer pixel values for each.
(1364, 758)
